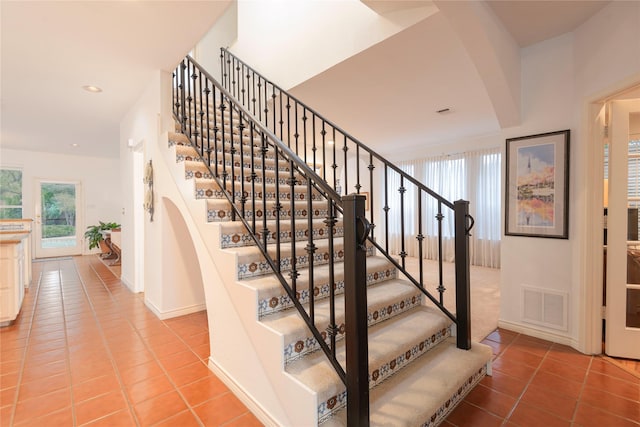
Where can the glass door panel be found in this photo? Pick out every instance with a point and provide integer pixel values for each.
(57, 229)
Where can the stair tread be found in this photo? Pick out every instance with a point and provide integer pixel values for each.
(289, 323)
(387, 341)
(302, 223)
(414, 394)
(269, 285)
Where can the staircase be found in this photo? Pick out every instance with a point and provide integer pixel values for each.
(288, 229)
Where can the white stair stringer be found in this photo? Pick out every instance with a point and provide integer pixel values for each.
(256, 373)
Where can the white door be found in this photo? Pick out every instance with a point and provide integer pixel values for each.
(622, 337)
(58, 229)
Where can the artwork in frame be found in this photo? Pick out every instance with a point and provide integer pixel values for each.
(537, 185)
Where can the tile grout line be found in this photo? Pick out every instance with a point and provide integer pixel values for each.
(156, 359)
(66, 340)
(104, 341)
(584, 385)
(24, 353)
(526, 387)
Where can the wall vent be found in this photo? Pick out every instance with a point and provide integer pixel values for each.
(544, 307)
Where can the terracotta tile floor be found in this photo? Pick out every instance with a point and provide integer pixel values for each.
(86, 351)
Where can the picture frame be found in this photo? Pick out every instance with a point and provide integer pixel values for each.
(537, 185)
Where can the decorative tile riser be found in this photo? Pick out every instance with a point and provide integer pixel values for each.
(384, 372)
(193, 155)
(272, 305)
(295, 350)
(239, 240)
(216, 193)
(260, 268)
(245, 150)
(246, 163)
(190, 174)
(442, 412)
(225, 215)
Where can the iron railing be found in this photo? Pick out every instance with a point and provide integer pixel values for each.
(229, 139)
(314, 139)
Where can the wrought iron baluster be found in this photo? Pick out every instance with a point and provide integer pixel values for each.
(311, 248)
(278, 208)
(222, 143)
(207, 91)
(266, 105)
(243, 193)
(402, 190)
(439, 218)
(200, 131)
(304, 132)
(332, 328)
(232, 151)
(189, 99)
(313, 142)
(259, 99)
(292, 188)
(358, 186)
(386, 208)
(420, 237)
(334, 164)
(323, 132)
(273, 108)
(346, 169)
(254, 206)
(297, 135)
(263, 153)
(371, 195)
(215, 134)
(253, 92)
(288, 121)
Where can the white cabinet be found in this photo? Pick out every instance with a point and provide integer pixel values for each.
(15, 270)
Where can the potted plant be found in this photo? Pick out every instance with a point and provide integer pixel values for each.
(95, 237)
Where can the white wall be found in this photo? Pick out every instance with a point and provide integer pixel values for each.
(222, 34)
(100, 178)
(548, 104)
(333, 31)
(559, 78)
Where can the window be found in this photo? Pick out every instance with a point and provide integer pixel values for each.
(10, 193)
(473, 176)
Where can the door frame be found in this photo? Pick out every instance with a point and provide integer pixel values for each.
(591, 254)
(37, 207)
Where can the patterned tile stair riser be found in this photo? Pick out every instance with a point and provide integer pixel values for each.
(253, 268)
(217, 210)
(242, 238)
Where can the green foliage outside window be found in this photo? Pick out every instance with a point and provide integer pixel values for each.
(10, 193)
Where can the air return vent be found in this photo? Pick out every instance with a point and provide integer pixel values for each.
(544, 307)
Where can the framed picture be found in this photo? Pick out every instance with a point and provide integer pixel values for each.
(537, 186)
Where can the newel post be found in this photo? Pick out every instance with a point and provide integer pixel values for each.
(463, 280)
(356, 229)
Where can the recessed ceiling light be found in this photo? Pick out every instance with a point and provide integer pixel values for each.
(92, 89)
(74, 144)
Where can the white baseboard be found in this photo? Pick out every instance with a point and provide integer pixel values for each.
(242, 395)
(538, 333)
(163, 315)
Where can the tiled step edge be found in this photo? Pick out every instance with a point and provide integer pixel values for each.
(424, 393)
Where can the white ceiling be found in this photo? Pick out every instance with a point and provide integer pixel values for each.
(49, 49)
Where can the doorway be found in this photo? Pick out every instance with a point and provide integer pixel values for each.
(58, 226)
(621, 279)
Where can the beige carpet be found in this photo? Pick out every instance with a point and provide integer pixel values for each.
(485, 293)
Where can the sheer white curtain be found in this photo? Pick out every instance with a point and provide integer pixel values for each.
(473, 176)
